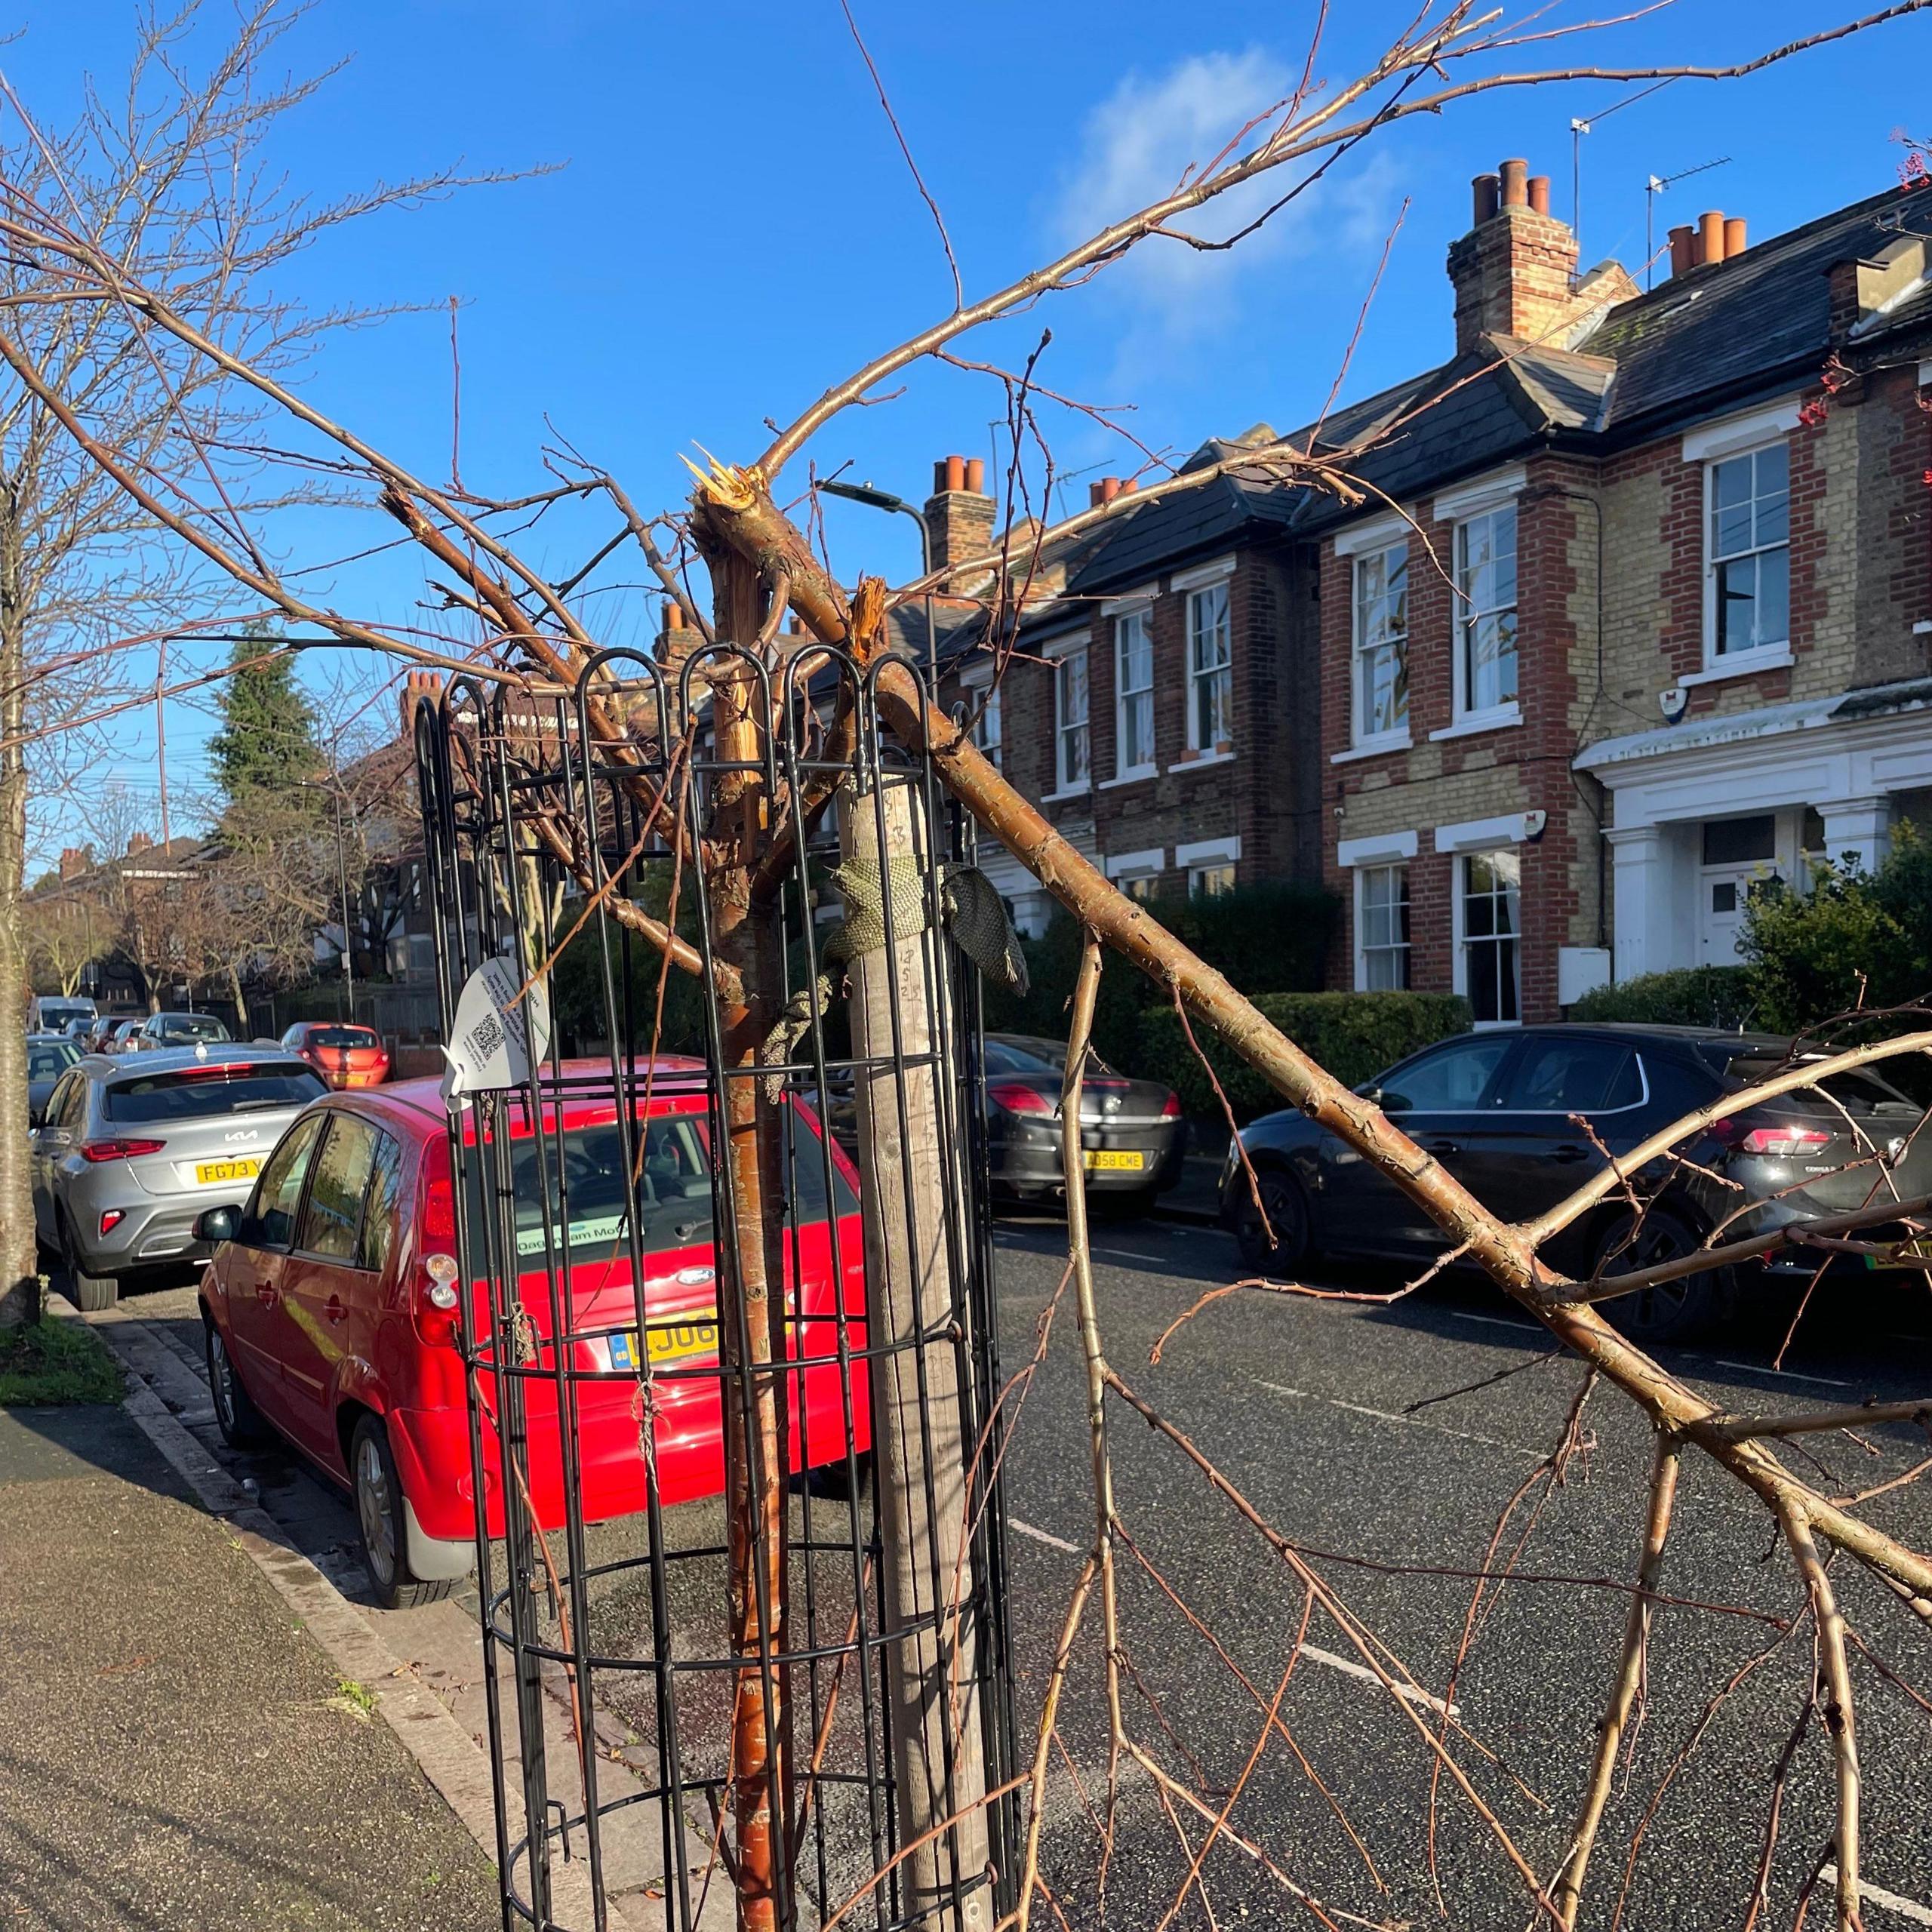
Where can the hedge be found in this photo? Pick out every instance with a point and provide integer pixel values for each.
(1690, 996)
(1267, 938)
(1354, 1035)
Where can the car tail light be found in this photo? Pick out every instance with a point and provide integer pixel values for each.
(1171, 1107)
(438, 1210)
(111, 1220)
(119, 1150)
(437, 1299)
(1011, 1097)
(1782, 1140)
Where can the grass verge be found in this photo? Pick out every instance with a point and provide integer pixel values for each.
(50, 1362)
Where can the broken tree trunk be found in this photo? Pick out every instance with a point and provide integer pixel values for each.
(899, 1013)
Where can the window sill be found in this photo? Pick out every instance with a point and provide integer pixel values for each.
(1501, 719)
(1139, 775)
(1195, 764)
(1741, 664)
(1373, 748)
(1066, 792)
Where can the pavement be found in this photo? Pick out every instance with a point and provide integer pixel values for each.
(178, 1753)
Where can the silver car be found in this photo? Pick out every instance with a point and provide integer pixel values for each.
(131, 1149)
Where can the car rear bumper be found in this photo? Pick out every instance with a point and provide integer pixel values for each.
(1025, 1160)
(431, 1447)
(150, 1234)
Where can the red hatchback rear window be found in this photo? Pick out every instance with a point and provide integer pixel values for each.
(344, 1036)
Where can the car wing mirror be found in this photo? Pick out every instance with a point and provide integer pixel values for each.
(216, 1224)
(1372, 1093)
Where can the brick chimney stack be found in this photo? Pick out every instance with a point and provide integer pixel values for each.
(1515, 272)
(958, 514)
(418, 685)
(74, 861)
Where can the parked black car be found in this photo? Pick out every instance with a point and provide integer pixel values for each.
(1132, 1135)
(49, 1055)
(1506, 1113)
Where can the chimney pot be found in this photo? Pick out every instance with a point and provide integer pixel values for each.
(1487, 194)
(1683, 250)
(1539, 193)
(938, 476)
(1104, 491)
(1710, 236)
(674, 615)
(955, 473)
(1734, 243)
(976, 475)
(1515, 184)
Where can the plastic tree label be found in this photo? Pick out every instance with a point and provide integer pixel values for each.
(496, 1038)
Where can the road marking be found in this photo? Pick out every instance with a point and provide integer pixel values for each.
(1409, 1692)
(1782, 1374)
(1876, 1895)
(1406, 1421)
(1492, 1322)
(1134, 1254)
(1043, 1536)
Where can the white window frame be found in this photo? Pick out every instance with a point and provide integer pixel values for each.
(1209, 855)
(1406, 947)
(1221, 587)
(1396, 737)
(1460, 978)
(1466, 614)
(1127, 624)
(1758, 657)
(1127, 869)
(975, 693)
(1057, 658)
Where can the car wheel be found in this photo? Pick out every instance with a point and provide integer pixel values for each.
(379, 1516)
(90, 1293)
(1286, 1209)
(234, 1411)
(1675, 1311)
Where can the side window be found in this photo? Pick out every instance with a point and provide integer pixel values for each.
(1450, 1080)
(72, 1117)
(332, 1217)
(270, 1221)
(1572, 1077)
(378, 1239)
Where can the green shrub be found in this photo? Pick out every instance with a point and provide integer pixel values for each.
(1691, 996)
(1269, 938)
(1354, 1035)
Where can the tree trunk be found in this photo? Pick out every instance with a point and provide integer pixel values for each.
(242, 1028)
(19, 1273)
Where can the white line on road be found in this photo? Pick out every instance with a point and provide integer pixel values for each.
(1409, 1693)
(1782, 1374)
(1042, 1536)
(1132, 1254)
(1905, 1908)
(1492, 1321)
(1406, 1421)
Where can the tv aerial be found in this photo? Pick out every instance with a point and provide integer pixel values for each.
(1655, 186)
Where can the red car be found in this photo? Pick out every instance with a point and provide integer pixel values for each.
(332, 1313)
(345, 1056)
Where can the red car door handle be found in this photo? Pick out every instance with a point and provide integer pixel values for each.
(335, 1311)
(265, 1293)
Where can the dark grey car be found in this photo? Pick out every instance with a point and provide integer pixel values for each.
(131, 1149)
(1523, 1116)
(49, 1055)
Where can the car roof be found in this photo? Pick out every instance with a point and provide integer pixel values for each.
(588, 1080)
(168, 1060)
(1665, 1035)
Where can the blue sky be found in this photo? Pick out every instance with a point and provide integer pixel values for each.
(730, 227)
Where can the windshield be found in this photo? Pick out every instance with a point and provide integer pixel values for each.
(48, 1063)
(191, 1026)
(674, 1187)
(202, 1093)
(343, 1036)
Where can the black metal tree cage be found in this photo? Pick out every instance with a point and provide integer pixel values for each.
(703, 1518)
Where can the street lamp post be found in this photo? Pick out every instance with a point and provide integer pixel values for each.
(883, 499)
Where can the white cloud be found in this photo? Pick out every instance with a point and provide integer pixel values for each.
(1137, 145)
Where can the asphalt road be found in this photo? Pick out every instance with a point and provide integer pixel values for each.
(1305, 1407)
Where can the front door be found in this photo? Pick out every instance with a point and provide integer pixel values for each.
(256, 1263)
(1739, 854)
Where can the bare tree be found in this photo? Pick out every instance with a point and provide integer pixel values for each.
(759, 564)
(164, 175)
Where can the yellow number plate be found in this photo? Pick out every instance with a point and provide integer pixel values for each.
(677, 1341)
(210, 1172)
(1132, 1159)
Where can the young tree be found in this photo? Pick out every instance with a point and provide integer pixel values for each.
(267, 742)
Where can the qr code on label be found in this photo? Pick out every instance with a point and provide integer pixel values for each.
(486, 1037)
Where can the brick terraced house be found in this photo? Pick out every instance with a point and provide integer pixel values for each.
(1638, 612)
